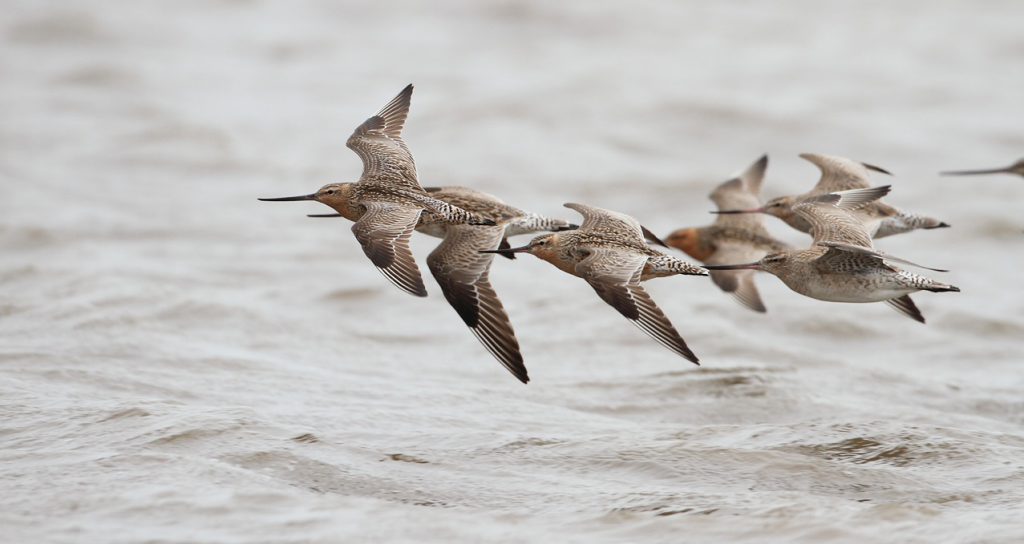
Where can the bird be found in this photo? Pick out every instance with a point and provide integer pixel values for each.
(841, 174)
(462, 271)
(841, 265)
(1015, 168)
(609, 251)
(733, 237)
(388, 196)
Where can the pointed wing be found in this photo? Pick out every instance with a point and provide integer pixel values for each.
(651, 237)
(615, 275)
(378, 142)
(906, 306)
(739, 283)
(462, 272)
(736, 199)
(614, 225)
(742, 193)
(875, 254)
(838, 173)
(384, 232)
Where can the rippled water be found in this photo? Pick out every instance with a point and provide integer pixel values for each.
(180, 362)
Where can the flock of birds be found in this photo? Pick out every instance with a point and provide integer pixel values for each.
(613, 252)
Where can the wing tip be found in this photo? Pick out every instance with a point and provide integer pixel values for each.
(874, 168)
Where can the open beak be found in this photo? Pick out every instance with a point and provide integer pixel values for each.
(290, 198)
(726, 212)
(507, 251)
(748, 266)
(976, 172)
(323, 215)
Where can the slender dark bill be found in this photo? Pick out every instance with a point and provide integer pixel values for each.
(748, 266)
(289, 198)
(726, 212)
(507, 251)
(976, 172)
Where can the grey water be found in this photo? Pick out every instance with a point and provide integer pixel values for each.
(182, 363)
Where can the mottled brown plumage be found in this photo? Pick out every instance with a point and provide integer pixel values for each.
(610, 253)
(733, 238)
(387, 200)
(841, 265)
(458, 265)
(840, 174)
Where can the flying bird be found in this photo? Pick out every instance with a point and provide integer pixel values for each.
(463, 271)
(388, 196)
(840, 174)
(609, 252)
(842, 265)
(733, 237)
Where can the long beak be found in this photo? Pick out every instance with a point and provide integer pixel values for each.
(975, 172)
(726, 212)
(290, 198)
(507, 251)
(323, 215)
(748, 266)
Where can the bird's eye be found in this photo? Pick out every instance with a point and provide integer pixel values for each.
(330, 191)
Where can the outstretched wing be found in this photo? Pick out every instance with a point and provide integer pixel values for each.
(742, 193)
(378, 142)
(462, 272)
(600, 221)
(615, 275)
(906, 306)
(384, 232)
(739, 283)
(830, 223)
(838, 173)
(875, 254)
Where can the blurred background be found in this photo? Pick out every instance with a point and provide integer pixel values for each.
(180, 362)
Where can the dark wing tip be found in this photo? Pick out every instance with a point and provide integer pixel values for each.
(878, 169)
(905, 305)
(522, 376)
(406, 93)
(651, 237)
(760, 165)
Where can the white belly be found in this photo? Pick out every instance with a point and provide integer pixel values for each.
(853, 290)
